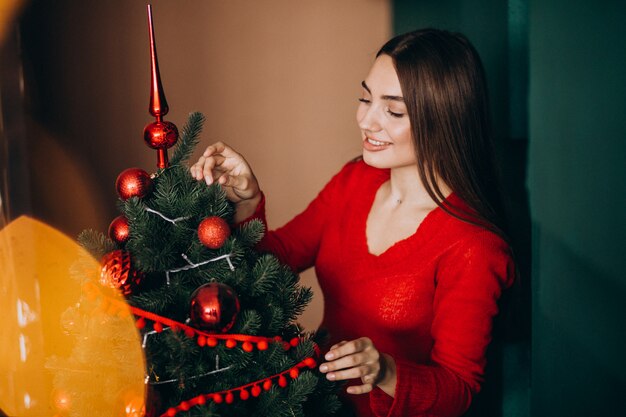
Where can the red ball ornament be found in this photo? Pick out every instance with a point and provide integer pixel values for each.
(160, 134)
(133, 182)
(214, 307)
(117, 272)
(119, 230)
(213, 232)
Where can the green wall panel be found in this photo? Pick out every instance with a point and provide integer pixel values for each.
(577, 183)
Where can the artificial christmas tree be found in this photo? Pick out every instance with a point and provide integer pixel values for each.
(217, 318)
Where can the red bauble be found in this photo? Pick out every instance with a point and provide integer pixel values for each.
(117, 272)
(160, 134)
(213, 232)
(214, 307)
(119, 230)
(133, 182)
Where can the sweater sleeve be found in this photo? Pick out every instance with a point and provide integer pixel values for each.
(470, 278)
(297, 242)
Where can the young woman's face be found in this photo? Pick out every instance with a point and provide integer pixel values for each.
(383, 119)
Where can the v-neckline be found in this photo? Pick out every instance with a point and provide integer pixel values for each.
(399, 243)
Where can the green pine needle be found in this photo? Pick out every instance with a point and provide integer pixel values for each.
(96, 243)
(189, 138)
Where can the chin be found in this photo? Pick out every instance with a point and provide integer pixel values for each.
(380, 162)
(375, 161)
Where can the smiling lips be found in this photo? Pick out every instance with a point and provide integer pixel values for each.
(374, 145)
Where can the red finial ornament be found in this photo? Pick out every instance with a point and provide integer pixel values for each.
(159, 135)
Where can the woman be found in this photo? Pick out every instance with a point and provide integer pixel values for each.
(407, 242)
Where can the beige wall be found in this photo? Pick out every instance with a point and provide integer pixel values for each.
(276, 79)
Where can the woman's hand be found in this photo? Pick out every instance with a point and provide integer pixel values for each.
(360, 359)
(220, 163)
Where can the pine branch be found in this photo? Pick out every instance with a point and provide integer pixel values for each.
(264, 274)
(249, 322)
(276, 319)
(189, 138)
(96, 243)
(250, 233)
(302, 387)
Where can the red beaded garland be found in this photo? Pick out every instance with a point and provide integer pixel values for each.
(244, 394)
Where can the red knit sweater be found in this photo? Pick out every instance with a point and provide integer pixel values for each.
(428, 301)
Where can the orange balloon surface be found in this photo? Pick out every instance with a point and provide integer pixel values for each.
(68, 347)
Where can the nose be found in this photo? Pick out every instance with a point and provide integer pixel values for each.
(367, 118)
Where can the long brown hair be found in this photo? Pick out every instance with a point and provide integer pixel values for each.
(444, 89)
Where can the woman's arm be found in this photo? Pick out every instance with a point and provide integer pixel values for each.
(469, 281)
(297, 242)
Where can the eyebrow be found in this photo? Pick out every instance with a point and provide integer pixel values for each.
(385, 97)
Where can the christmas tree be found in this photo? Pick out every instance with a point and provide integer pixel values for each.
(217, 319)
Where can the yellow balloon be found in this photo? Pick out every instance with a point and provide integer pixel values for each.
(68, 347)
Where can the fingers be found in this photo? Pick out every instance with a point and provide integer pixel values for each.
(220, 148)
(355, 359)
(217, 158)
(361, 371)
(233, 181)
(343, 342)
(346, 348)
(220, 163)
(360, 389)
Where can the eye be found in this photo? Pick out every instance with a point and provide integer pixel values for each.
(364, 100)
(396, 115)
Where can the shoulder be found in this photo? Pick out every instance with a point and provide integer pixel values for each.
(458, 233)
(476, 242)
(473, 250)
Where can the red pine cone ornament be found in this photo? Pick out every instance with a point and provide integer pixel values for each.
(117, 272)
(213, 232)
(214, 307)
(133, 182)
(119, 230)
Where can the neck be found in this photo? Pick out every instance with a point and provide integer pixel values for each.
(406, 187)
